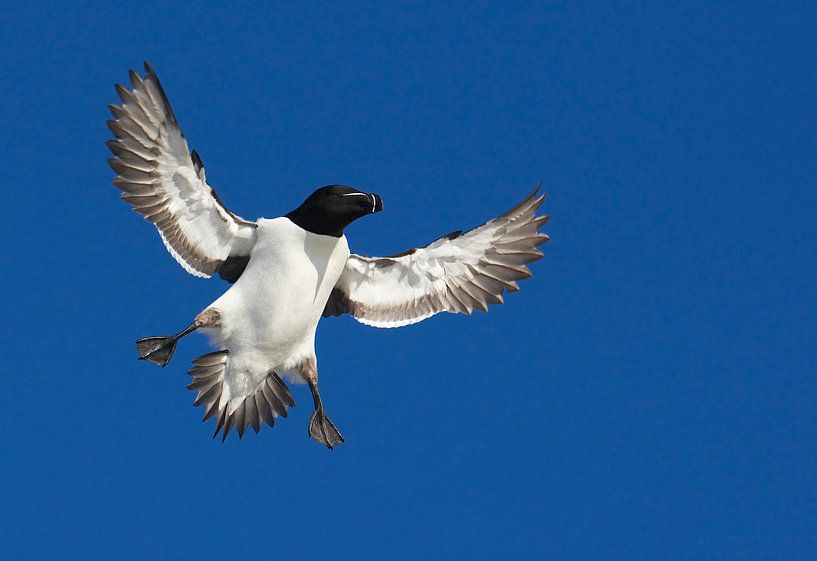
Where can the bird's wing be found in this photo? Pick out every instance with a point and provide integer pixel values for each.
(456, 273)
(165, 183)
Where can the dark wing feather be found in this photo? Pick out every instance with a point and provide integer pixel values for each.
(458, 273)
(165, 182)
(249, 409)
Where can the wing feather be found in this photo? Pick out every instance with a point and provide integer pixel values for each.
(458, 273)
(164, 182)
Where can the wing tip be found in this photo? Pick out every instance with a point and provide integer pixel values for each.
(151, 75)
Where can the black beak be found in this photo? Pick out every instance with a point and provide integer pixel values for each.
(377, 203)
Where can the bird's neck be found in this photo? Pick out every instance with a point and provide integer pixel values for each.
(317, 223)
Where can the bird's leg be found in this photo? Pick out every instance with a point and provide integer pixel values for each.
(159, 350)
(320, 427)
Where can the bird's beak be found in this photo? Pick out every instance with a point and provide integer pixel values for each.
(375, 202)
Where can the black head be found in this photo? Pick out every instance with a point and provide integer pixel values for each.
(330, 209)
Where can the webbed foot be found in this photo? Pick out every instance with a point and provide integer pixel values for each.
(323, 430)
(158, 350)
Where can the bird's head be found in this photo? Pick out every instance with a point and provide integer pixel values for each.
(330, 209)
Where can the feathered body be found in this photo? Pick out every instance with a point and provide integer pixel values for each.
(267, 319)
(290, 271)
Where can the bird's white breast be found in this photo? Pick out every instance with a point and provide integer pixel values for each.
(270, 314)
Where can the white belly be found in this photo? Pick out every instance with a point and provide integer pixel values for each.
(269, 316)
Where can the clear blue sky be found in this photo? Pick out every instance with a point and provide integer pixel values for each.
(649, 394)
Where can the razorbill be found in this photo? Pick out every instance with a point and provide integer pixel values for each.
(288, 272)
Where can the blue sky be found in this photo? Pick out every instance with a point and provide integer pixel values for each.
(648, 394)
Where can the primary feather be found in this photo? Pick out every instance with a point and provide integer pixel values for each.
(456, 273)
(165, 183)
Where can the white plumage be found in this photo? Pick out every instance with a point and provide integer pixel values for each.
(269, 316)
(289, 271)
(456, 273)
(165, 182)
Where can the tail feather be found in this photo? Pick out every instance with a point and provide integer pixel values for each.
(268, 400)
(158, 350)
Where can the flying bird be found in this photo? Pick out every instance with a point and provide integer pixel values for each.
(288, 272)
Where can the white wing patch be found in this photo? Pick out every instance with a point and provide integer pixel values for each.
(457, 273)
(165, 183)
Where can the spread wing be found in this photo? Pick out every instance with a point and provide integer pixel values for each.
(165, 183)
(456, 273)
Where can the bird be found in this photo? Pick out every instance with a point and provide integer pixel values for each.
(289, 272)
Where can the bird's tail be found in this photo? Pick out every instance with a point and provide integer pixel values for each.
(236, 398)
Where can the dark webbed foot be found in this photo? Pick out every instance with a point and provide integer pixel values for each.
(323, 430)
(159, 350)
(320, 427)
